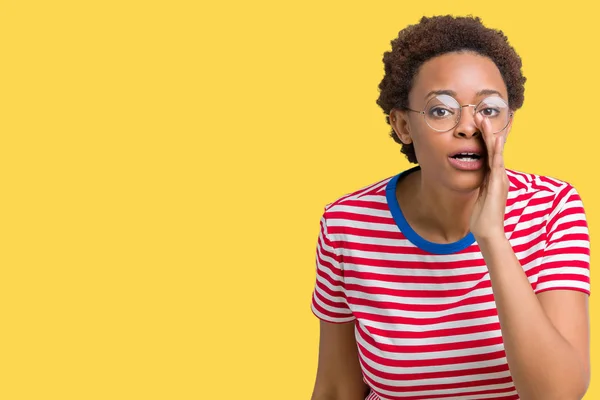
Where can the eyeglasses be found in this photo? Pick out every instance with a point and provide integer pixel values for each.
(442, 113)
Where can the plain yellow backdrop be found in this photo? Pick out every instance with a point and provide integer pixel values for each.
(164, 165)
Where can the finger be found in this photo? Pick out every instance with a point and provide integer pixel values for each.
(498, 158)
(484, 126)
(498, 178)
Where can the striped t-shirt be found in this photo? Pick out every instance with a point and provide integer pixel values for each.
(426, 323)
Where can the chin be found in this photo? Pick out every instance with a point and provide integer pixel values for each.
(466, 182)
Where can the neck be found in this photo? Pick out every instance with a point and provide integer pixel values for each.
(439, 214)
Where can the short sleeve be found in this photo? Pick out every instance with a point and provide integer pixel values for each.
(566, 260)
(329, 299)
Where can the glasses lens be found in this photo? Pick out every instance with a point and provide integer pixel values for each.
(496, 111)
(442, 113)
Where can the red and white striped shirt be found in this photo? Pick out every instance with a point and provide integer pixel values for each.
(426, 323)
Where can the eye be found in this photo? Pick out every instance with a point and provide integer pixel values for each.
(440, 112)
(489, 112)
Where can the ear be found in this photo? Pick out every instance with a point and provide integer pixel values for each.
(510, 122)
(400, 124)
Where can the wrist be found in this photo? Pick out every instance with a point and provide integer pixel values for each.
(492, 239)
(495, 250)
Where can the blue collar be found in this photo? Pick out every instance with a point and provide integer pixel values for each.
(411, 235)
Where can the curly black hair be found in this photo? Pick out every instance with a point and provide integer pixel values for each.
(434, 36)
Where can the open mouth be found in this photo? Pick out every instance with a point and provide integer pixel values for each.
(467, 156)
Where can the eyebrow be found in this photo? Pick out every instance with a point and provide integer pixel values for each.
(483, 92)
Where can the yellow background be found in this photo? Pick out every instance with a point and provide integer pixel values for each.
(164, 165)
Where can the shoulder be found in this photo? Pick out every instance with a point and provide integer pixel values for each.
(533, 182)
(370, 196)
(543, 188)
(527, 182)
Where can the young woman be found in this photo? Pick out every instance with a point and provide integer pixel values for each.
(457, 278)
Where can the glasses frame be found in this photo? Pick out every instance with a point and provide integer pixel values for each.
(460, 108)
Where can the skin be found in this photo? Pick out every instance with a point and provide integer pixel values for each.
(420, 194)
(443, 204)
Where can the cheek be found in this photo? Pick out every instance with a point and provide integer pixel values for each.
(430, 146)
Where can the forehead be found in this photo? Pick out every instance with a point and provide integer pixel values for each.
(465, 73)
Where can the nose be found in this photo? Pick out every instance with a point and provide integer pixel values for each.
(466, 127)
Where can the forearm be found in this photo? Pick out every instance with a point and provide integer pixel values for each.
(337, 397)
(542, 363)
(340, 394)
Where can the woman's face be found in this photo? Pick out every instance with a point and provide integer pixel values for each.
(469, 78)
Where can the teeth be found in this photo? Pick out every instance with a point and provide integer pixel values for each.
(468, 157)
